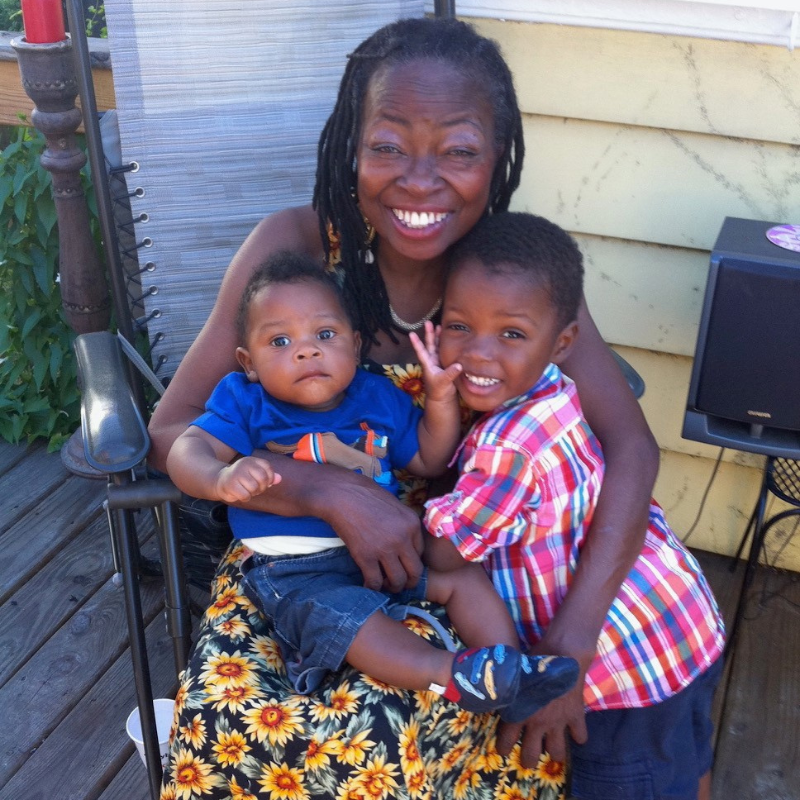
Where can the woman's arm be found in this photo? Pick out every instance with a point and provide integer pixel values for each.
(618, 527)
(382, 535)
(614, 540)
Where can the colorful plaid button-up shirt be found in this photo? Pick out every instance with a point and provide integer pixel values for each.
(530, 475)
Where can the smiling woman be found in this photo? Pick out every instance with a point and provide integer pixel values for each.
(424, 140)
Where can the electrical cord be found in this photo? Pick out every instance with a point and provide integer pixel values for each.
(705, 496)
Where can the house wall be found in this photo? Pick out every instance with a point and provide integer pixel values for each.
(640, 144)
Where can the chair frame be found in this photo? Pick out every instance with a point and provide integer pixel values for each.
(115, 444)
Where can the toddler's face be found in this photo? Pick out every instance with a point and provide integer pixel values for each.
(300, 345)
(503, 330)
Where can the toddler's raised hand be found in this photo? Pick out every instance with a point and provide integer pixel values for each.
(244, 479)
(439, 382)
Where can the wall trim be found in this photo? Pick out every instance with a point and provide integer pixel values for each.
(774, 22)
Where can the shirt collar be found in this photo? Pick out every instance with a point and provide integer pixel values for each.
(549, 382)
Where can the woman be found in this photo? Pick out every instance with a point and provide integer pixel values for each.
(425, 138)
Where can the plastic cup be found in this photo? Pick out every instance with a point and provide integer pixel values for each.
(164, 709)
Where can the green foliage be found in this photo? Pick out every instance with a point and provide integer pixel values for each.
(94, 12)
(39, 395)
(96, 20)
(10, 15)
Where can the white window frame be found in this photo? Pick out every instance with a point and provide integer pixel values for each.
(775, 22)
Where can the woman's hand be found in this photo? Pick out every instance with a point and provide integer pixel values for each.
(383, 535)
(547, 729)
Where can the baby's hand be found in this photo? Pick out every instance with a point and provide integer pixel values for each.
(245, 479)
(439, 383)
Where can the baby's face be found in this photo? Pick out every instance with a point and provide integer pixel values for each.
(300, 345)
(503, 330)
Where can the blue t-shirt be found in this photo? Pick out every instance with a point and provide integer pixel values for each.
(372, 431)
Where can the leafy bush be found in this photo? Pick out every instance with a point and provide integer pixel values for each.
(94, 11)
(96, 20)
(39, 395)
(10, 15)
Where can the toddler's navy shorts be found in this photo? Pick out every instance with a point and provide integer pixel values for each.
(654, 753)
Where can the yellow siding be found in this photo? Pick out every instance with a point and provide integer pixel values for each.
(626, 281)
(680, 487)
(640, 145)
(651, 184)
(733, 89)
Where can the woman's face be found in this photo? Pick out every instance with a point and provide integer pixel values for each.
(425, 159)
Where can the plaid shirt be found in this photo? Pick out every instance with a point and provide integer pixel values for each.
(530, 475)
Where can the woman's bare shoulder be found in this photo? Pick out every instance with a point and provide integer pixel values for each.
(294, 228)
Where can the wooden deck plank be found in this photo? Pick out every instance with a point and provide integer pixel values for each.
(758, 754)
(130, 782)
(50, 597)
(41, 606)
(23, 487)
(65, 668)
(10, 455)
(35, 538)
(84, 753)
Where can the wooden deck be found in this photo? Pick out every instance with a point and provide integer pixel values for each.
(65, 674)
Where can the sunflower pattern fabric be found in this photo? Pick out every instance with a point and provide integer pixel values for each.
(241, 733)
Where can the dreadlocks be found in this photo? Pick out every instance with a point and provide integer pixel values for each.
(447, 40)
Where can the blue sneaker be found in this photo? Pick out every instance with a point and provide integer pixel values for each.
(542, 679)
(495, 678)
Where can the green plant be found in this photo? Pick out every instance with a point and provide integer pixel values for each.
(94, 12)
(10, 15)
(39, 395)
(96, 20)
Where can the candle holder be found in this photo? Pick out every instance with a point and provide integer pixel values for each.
(48, 77)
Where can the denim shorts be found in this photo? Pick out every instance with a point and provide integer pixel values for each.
(317, 604)
(654, 753)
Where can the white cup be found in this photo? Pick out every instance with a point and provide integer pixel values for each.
(164, 710)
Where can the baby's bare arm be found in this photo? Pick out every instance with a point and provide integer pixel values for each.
(202, 466)
(441, 554)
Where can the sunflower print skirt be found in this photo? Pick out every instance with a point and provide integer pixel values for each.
(241, 733)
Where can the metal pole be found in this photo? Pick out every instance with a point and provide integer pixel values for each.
(444, 8)
(127, 547)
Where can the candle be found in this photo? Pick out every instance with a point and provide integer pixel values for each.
(43, 21)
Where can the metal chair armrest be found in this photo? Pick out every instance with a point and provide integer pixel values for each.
(115, 437)
(634, 379)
